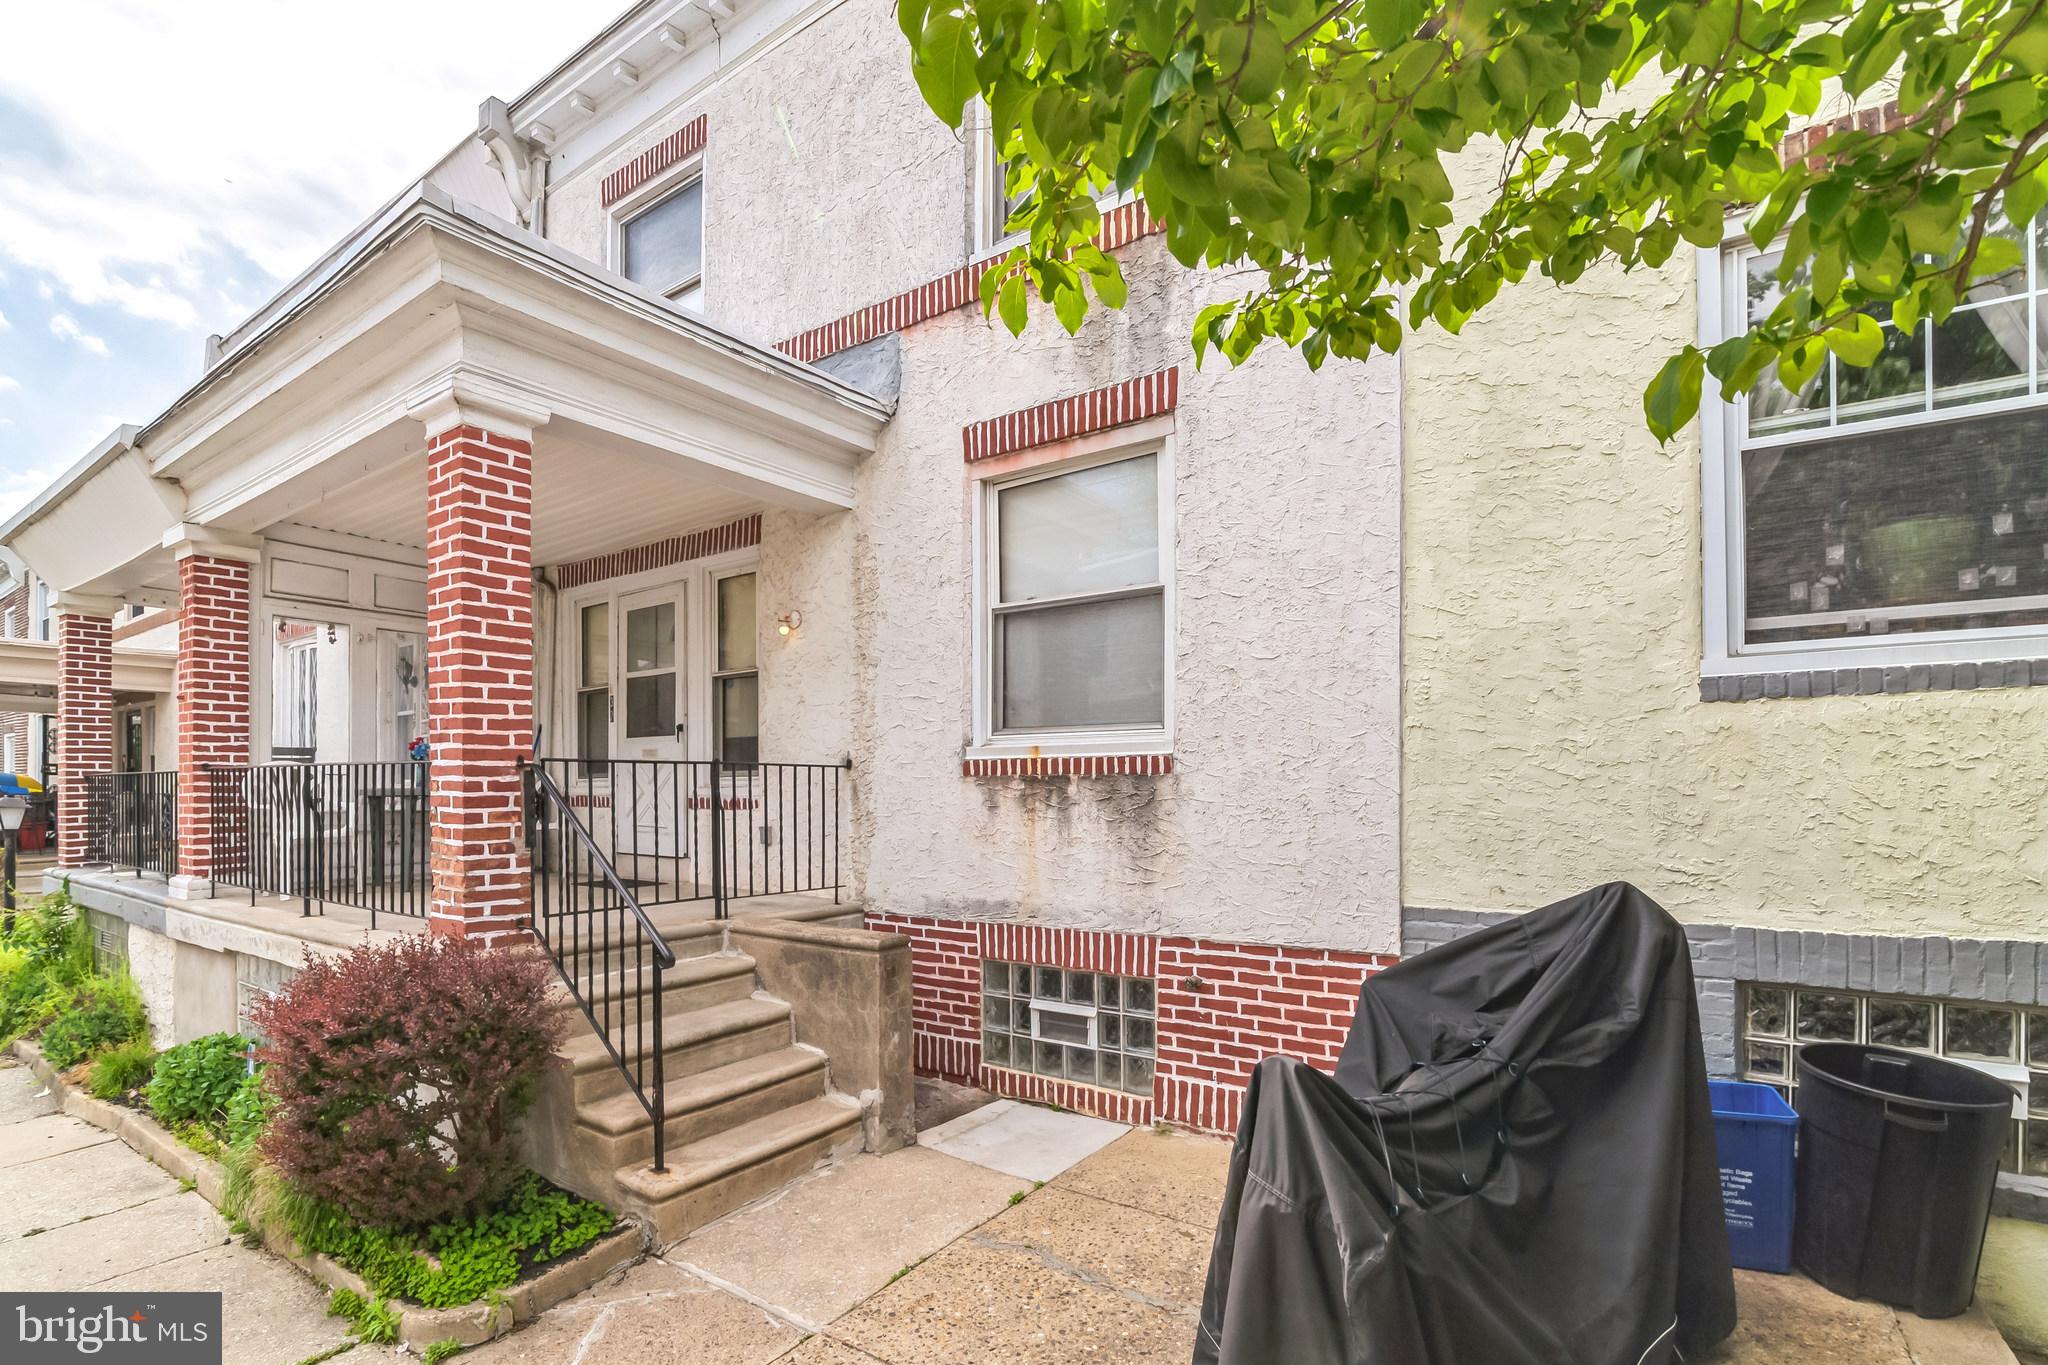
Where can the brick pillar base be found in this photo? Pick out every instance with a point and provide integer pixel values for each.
(85, 722)
(479, 676)
(213, 698)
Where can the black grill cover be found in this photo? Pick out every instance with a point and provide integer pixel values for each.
(1513, 1166)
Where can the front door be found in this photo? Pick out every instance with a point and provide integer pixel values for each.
(652, 727)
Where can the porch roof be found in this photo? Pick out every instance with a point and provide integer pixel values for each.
(437, 302)
(28, 674)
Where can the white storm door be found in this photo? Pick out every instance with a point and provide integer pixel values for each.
(652, 723)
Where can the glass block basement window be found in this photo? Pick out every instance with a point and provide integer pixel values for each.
(2007, 1041)
(1086, 1027)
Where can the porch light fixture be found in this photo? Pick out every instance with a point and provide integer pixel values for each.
(789, 622)
(13, 811)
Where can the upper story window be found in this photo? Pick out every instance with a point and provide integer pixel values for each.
(1894, 514)
(996, 202)
(661, 243)
(1075, 606)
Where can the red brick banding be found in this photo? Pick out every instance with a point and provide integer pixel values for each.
(1082, 414)
(734, 535)
(1089, 765)
(211, 684)
(1252, 1001)
(85, 727)
(1804, 145)
(1121, 226)
(480, 678)
(677, 147)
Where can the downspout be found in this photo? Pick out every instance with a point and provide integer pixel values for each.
(546, 612)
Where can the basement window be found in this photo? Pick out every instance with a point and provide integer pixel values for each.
(1091, 1028)
(2005, 1041)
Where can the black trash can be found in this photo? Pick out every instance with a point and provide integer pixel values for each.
(1898, 1156)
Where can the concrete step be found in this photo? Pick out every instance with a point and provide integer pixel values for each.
(714, 1175)
(699, 1106)
(814, 907)
(693, 1041)
(688, 930)
(693, 983)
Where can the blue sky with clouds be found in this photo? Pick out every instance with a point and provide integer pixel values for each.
(164, 168)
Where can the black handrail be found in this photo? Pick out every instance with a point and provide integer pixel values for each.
(691, 829)
(586, 916)
(132, 820)
(350, 833)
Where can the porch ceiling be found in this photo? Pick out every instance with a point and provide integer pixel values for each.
(589, 498)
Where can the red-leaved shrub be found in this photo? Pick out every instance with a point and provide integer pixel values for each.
(399, 1073)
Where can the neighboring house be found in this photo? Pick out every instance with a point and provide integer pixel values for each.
(659, 426)
(1784, 673)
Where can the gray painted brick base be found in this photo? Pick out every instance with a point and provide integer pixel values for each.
(2009, 971)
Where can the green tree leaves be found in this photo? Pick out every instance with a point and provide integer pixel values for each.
(1313, 148)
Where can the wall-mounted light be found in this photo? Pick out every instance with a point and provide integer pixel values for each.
(789, 622)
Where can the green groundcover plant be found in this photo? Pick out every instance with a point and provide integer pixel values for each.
(194, 1083)
(462, 1260)
(101, 1012)
(48, 983)
(45, 956)
(121, 1070)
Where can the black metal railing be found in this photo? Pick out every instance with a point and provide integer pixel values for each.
(605, 949)
(689, 830)
(346, 833)
(132, 820)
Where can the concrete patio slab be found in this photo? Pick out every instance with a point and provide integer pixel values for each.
(974, 1302)
(1021, 1139)
(80, 1255)
(1173, 1174)
(650, 1314)
(270, 1313)
(1155, 1259)
(815, 1249)
(46, 1136)
(823, 1350)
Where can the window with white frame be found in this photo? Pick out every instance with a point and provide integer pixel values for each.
(661, 243)
(593, 687)
(998, 201)
(1075, 619)
(736, 676)
(1902, 505)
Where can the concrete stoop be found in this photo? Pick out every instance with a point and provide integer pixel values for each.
(749, 1108)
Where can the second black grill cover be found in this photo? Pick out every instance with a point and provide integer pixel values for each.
(1514, 1165)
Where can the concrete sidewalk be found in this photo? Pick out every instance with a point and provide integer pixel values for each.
(80, 1210)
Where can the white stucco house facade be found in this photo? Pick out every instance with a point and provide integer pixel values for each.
(659, 426)
(652, 451)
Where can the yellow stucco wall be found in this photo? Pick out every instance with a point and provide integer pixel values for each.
(1552, 733)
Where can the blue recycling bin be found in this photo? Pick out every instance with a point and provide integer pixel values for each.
(1757, 1135)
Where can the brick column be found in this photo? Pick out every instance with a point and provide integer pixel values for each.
(85, 716)
(479, 663)
(212, 689)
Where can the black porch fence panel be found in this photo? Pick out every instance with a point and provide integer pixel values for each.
(691, 830)
(132, 820)
(346, 833)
